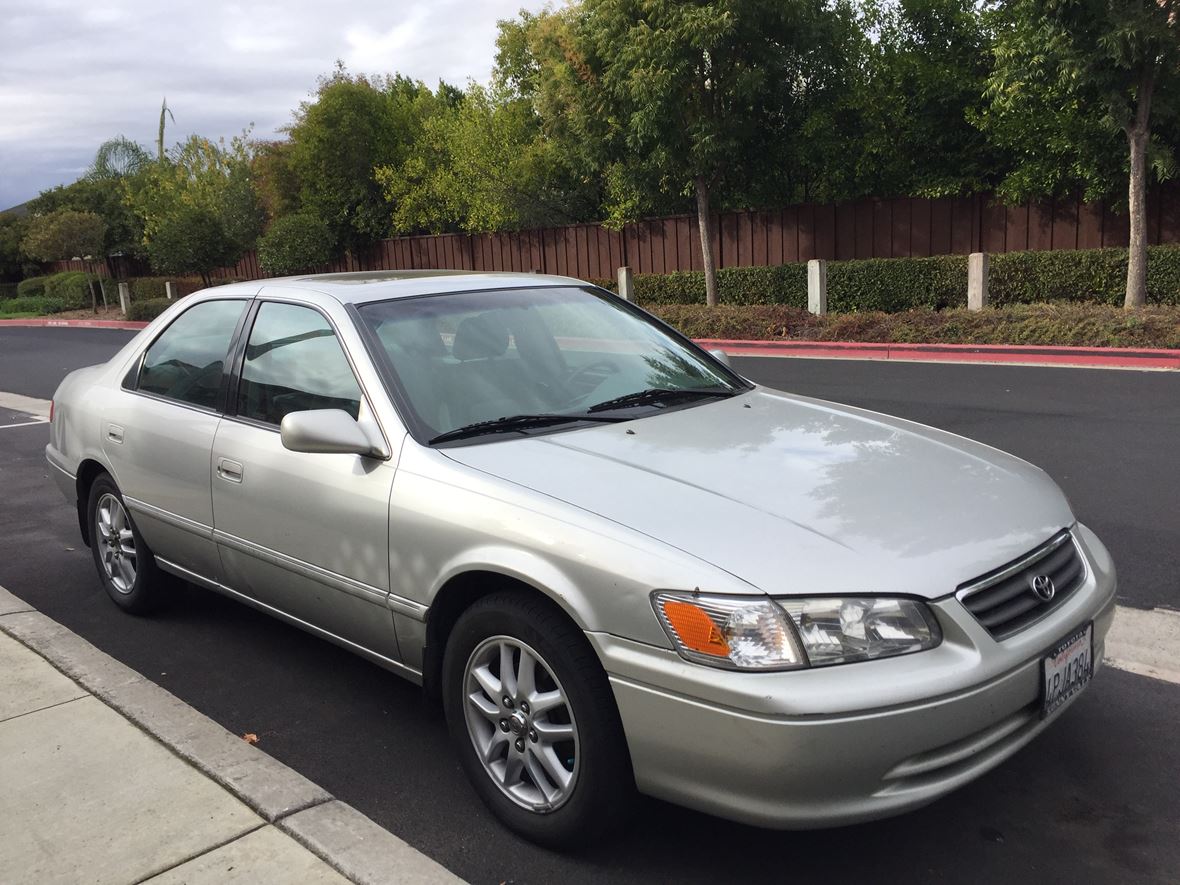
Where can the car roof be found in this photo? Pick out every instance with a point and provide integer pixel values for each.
(380, 285)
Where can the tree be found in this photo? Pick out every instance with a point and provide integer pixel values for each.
(118, 158)
(295, 243)
(354, 125)
(12, 233)
(687, 97)
(1069, 76)
(191, 240)
(103, 190)
(890, 101)
(201, 179)
(66, 234)
(274, 178)
(482, 165)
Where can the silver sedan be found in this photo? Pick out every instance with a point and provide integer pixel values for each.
(618, 564)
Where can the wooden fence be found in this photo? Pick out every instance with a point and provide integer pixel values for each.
(869, 228)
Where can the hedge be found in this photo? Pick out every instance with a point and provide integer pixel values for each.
(32, 304)
(148, 309)
(7, 290)
(72, 287)
(1084, 325)
(33, 287)
(894, 284)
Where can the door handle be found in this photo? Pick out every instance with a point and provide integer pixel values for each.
(115, 433)
(231, 471)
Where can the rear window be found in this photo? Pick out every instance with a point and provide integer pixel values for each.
(188, 359)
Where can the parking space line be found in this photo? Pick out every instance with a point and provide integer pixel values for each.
(24, 424)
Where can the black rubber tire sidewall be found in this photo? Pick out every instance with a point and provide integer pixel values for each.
(605, 789)
(145, 593)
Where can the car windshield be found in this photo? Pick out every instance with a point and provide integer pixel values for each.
(468, 359)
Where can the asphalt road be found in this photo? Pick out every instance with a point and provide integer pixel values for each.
(1093, 800)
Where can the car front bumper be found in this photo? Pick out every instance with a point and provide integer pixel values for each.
(849, 743)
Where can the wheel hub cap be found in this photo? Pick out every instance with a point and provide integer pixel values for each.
(116, 543)
(521, 724)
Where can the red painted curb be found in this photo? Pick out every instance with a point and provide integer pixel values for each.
(127, 325)
(1107, 357)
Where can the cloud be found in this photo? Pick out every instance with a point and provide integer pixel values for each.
(73, 74)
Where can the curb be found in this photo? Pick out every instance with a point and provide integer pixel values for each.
(1094, 357)
(37, 322)
(341, 836)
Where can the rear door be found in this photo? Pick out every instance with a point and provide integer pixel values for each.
(158, 433)
(306, 534)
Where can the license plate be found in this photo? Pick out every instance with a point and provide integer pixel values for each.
(1067, 670)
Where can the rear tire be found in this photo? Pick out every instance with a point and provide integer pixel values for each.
(523, 690)
(125, 565)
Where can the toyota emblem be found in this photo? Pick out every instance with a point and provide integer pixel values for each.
(1042, 585)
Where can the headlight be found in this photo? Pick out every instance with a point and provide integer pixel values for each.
(751, 633)
(861, 628)
(734, 632)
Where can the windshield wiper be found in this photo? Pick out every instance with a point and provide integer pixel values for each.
(660, 395)
(516, 422)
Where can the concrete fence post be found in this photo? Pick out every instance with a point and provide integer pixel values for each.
(817, 286)
(169, 290)
(124, 297)
(626, 284)
(977, 267)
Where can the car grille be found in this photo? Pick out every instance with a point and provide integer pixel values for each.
(1005, 600)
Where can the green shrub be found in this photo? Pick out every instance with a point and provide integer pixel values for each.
(72, 287)
(1073, 324)
(148, 309)
(895, 284)
(32, 304)
(294, 244)
(33, 287)
(7, 290)
(143, 288)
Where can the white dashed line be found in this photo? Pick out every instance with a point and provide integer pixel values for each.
(24, 424)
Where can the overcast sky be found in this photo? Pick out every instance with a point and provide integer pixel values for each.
(73, 74)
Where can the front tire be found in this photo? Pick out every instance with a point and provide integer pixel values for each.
(533, 719)
(126, 567)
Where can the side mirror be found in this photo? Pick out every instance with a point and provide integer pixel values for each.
(326, 432)
(721, 356)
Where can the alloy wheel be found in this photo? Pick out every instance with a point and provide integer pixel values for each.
(521, 724)
(116, 543)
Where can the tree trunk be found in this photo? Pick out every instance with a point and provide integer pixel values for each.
(705, 223)
(93, 291)
(1138, 133)
(1137, 207)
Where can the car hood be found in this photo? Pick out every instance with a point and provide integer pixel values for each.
(797, 495)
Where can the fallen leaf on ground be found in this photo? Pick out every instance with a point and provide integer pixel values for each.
(250, 738)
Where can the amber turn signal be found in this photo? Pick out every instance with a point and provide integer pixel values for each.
(695, 628)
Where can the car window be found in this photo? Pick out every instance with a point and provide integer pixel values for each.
(294, 363)
(185, 363)
(463, 358)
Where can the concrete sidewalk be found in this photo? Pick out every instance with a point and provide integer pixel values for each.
(106, 777)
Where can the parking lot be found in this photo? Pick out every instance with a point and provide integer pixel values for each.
(1093, 800)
